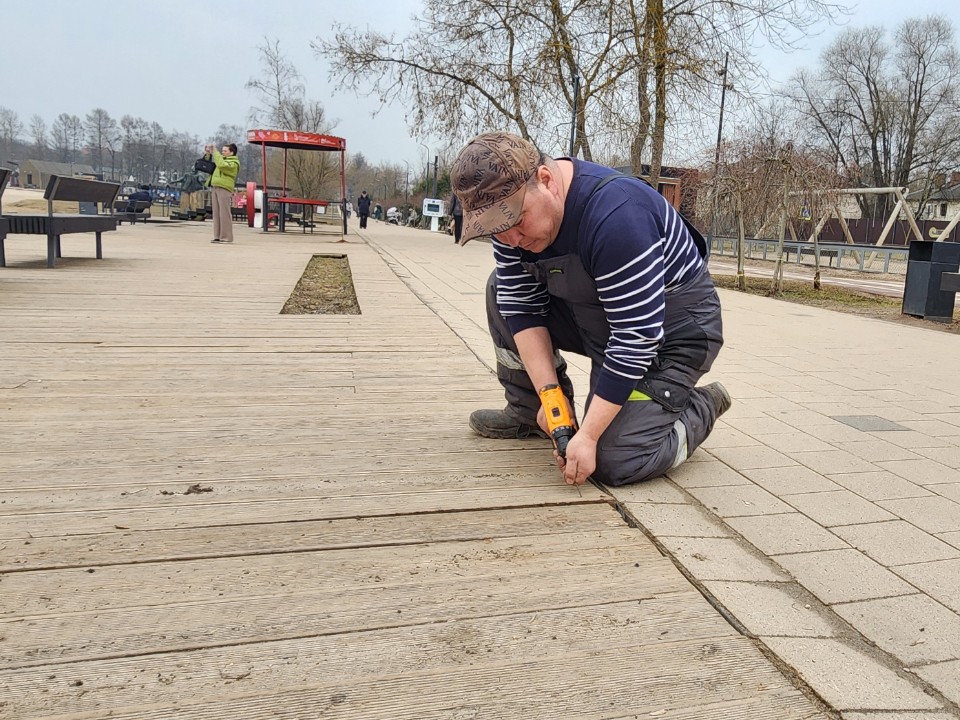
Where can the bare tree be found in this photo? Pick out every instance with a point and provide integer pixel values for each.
(471, 65)
(281, 101)
(99, 126)
(10, 129)
(66, 135)
(38, 134)
(888, 112)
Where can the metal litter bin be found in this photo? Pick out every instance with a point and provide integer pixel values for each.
(926, 263)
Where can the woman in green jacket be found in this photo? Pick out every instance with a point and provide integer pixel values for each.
(221, 183)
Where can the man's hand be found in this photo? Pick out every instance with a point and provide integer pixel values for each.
(581, 459)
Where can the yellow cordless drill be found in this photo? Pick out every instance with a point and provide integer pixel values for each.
(560, 423)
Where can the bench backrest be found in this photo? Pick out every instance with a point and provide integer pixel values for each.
(5, 174)
(74, 189)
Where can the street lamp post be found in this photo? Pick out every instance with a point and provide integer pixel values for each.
(716, 156)
(426, 168)
(573, 120)
(406, 189)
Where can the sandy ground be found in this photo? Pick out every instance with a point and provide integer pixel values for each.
(18, 201)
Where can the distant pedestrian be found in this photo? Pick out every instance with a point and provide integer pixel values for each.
(363, 209)
(222, 183)
(456, 217)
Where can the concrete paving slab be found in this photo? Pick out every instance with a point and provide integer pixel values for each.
(655, 491)
(933, 428)
(948, 490)
(794, 441)
(914, 628)
(723, 559)
(779, 609)
(788, 533)
(896, 543)
(833, 461)
(843, 576)
(739, 500)
(725, 436)
(706, 474)
(793, 480)
(934, 514)
(676, 520)
(914, 440)
(833, 432)
(945, 677)
(879, 485)
(748, 458)
(847, 678)
(874, 450)
(952, 538)
(921, 472)
(949, 456)
(840, 507)
(868, 423)
(940, 579)
(762, 425)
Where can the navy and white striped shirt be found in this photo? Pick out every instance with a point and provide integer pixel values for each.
(636, 248)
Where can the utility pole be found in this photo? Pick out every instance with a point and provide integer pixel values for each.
(573, 119)
(716, 155)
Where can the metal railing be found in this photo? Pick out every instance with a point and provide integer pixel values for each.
(865, 258)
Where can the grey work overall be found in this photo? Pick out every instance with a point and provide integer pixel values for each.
(666, 418)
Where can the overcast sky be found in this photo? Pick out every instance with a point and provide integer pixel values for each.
(183, 63)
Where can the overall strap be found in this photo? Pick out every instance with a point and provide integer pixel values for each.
(698, 238)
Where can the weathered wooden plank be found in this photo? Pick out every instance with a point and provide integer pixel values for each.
(345, 592)
(723, 679)
(19, 499)
(209, 579)
(195, 467)
(267, 666)
(204, 514)
(124, 547)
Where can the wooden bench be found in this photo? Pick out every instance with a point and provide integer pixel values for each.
(68, 189)
(131, 211)
(5, 174)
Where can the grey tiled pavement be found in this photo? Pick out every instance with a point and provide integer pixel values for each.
(837, 547)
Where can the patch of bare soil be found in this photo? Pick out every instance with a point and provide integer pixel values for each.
(325, 288)
(840, 299)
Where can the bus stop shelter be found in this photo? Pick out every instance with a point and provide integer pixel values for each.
(295, 140)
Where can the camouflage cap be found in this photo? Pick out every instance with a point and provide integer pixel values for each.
(490, 177)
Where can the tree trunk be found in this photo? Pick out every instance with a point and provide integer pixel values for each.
(661, 50)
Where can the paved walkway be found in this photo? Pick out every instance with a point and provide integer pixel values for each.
(212, 510)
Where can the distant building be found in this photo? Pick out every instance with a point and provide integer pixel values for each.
(941, 204)
(677, 185)
(37, 172)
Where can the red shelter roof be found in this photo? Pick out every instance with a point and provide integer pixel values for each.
(295, 140)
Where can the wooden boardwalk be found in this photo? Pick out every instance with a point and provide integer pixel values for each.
(210, 510)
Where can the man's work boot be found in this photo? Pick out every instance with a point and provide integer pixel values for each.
(498, 425)
(719, 395)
